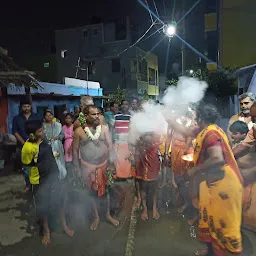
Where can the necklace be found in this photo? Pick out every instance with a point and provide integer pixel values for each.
(48, 132)
(94, 136)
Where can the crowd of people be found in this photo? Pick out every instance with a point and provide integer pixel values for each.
(214, 173)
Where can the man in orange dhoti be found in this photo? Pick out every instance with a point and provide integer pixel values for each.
(94, 142)
(147, 166)
(181, 145)
(120, 125)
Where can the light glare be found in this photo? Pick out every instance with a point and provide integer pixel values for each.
(171, 30)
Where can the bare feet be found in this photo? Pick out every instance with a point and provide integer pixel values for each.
(26, 190)
(156, 214)
(69, 232)
(46, 239)
(138, 203)
(192, 221)
(163, 184)
(111, 220)
(201, 252)
(182, 208)
(144, 214)
(95, 224)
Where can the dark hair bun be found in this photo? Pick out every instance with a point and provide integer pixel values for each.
(208, 113)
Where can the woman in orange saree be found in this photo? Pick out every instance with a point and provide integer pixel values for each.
(217, 187)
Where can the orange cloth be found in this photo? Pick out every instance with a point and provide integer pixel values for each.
(220, 204)
(179, 166)
(249, 207)
(94, 176)
(124, 169)
(162, 146)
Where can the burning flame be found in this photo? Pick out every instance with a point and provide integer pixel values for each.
(188, 157)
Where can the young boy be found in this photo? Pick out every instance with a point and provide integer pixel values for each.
(43, 174)
(239, 130)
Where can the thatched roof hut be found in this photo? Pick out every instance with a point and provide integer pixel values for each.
(11, 73)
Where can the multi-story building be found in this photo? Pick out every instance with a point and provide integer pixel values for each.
(229, 41)
(99, 53)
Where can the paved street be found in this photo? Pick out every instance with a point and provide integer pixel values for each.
(170, 235)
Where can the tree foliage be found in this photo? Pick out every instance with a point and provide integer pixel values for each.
(118, 95)
(220, 84)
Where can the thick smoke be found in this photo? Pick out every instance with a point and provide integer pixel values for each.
(154, 117)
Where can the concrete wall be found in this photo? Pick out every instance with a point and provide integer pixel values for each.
(238, 41)
(99, 48)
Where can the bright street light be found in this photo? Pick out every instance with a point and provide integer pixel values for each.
(170, 29)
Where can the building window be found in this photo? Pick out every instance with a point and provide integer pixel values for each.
(94, 32)
(212, 45)
(134, 66)
(85, 33)
(91, 67)
(116, 66)
(211, 6)
(64, 54)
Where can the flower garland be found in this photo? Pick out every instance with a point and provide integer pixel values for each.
(94, 136)
(82, 120)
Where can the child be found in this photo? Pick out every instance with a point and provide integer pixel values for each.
(43, 174)
(239, 130)
(68, 139)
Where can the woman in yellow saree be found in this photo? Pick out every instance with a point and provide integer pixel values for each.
(216, 184)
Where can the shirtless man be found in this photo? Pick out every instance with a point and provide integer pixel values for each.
(95, 146)
(84, 102)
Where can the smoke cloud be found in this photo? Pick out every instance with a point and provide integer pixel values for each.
(153, 117)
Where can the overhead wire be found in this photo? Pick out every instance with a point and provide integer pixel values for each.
(173, 9)
(153, 14)
(164, 8)
(156, 8)
(158, 30)
(189, 11)
(138, 39)
(149, 12)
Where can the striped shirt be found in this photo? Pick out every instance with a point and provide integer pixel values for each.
(121, 128)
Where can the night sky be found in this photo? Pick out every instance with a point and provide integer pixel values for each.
(26, 26)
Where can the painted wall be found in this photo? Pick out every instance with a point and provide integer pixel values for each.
(58, 89)
(13, 106)
(4, 113)
(237, 33)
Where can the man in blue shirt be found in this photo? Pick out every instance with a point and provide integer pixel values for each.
(18, 130)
